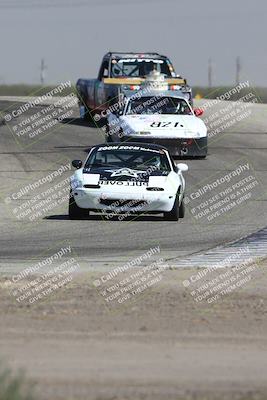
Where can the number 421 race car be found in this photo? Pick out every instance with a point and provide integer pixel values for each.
(127, 178)
(161, 117)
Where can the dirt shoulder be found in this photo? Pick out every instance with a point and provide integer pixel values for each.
(161, 344)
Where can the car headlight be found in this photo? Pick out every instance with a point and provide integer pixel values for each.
(75, 183)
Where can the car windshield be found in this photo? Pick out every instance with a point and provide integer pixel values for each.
(139, 68)
(137, 157)
(158, 105)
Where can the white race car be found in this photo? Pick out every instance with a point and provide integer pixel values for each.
(161, 117)
(127, 178)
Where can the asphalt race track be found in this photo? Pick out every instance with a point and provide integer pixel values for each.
(98, 241)
(76, 343)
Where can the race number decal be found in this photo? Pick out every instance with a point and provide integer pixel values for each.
(164, 124)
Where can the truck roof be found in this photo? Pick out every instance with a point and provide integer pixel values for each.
(121, 54)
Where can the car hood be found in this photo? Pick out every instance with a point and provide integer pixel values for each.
(121, 174)
(106, 181)
(167, 125)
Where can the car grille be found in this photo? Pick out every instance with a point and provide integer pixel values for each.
(132, 203)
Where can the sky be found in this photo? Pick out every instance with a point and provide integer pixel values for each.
(73, 35)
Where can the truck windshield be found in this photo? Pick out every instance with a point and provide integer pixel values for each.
(158, 105)
(139, 68)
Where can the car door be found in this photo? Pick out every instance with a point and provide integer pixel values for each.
(100, 90)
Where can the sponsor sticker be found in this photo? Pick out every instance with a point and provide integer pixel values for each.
(123, 183)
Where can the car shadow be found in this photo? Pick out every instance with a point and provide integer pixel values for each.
(57, 217)
(83, 148)
(82, 122)
(187, 158)
(101, 218)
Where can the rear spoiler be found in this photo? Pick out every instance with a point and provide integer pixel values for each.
(139, 81)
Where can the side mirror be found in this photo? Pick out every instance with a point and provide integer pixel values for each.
(77, 164)
(182, 167)
(198, 112)
(118, 113)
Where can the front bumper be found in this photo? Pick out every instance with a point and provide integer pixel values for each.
(143, 202)
(177, 147)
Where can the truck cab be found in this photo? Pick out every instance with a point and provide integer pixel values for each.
(124, 71)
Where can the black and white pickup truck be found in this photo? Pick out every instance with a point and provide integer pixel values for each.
(124, 71)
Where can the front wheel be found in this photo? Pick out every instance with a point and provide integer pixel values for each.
(76, 212)
(182, 209)
(108, 136)
(174, 214)
(88, 114)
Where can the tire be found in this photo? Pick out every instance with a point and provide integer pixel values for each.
(202, 156)
(204, 148)
(88, 115)
(182, 209)
(108, 139)
(108, 136)
(174, 214)
(76, 212)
